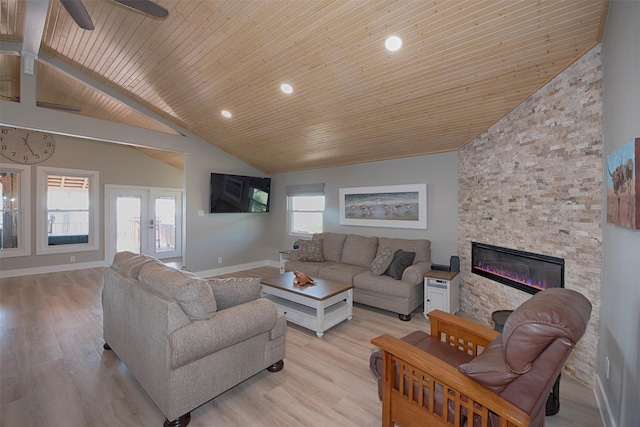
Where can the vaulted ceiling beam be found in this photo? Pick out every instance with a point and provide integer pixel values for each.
(36, 16)
(35, 19)
(110, 92)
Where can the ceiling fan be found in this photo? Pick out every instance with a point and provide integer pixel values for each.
(79, 13)
(45, 104)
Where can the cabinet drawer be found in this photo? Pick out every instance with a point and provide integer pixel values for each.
(437, 283)
(291, 315)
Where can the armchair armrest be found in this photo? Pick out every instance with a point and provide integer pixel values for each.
(226, 328)
(459, 332)
(432, 384)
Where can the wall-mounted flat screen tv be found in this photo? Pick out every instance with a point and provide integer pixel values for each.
(239, 193)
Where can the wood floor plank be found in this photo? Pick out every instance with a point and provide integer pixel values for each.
(54, 371)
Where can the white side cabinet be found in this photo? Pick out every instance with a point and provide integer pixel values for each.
(441, 291)
(284, 256)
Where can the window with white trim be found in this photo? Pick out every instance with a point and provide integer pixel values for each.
(15, 224)
(305, 207)
(67, 216)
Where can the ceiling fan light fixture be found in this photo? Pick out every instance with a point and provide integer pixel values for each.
(393, 43)
(286, 88)
(226, 114)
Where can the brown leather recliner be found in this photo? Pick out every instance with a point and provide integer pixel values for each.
(481, 372)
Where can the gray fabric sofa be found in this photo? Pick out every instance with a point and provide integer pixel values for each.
(185, 339)
(348, 258)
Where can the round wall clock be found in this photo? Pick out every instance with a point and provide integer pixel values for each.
(26, 146)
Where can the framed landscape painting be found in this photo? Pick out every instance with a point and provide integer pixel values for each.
(399, 206)
(623, 184)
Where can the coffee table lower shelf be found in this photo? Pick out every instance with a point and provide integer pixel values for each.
(318, 319)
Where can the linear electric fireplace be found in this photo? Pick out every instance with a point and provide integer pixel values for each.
(526, 271)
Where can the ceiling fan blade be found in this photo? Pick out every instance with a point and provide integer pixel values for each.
(79, 14)
(10, 98)
(58, 106)
(146, 6)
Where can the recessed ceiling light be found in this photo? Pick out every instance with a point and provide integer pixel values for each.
(286, 88)
(393, 43)
(226, 114)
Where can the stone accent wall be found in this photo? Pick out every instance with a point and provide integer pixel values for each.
(533, 182)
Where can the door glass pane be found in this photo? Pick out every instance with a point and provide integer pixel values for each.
(128, 224)
(165, 232)
(10, 203)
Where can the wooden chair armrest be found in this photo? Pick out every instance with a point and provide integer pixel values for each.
(450, 377)
(463, 333)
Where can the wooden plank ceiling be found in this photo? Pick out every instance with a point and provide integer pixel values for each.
(464, 64)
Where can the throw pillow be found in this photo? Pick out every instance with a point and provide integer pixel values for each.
(401, 260)
(193, 294)
(310, 251)
(380, 264)
(231, 291)
(130, 264)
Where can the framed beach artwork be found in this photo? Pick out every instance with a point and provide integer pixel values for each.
(399, 206)
(623, 185)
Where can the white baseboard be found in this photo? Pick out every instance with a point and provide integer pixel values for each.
(603, 405)
(240, 267)
(51, 269)
(83, 265)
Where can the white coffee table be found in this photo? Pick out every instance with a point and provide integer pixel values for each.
(316, 307)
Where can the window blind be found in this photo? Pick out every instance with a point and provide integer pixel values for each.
(305, 189)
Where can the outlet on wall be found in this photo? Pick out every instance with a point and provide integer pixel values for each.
(72, 258)
(219, 260)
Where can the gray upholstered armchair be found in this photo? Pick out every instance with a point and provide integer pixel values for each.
(465, 371)
(185, 339)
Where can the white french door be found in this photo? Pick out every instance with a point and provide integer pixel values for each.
(144, 220)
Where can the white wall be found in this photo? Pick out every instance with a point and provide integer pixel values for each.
(116, 164)
(237, 238)
(619, 337)
(438, 171)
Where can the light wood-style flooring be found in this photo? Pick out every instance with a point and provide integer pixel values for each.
(54, 371)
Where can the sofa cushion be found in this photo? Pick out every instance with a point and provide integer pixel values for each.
(489, 369)
(309, 268)
(421, 247)
(310, 251)
(193, 294)
(230, 292)
(130, 264)
(401, 260)
(359, 250)
(383, 285)
(382, 261)
(332, 244)
(342, 273)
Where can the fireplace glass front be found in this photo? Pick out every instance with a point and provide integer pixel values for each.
(527, 271)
